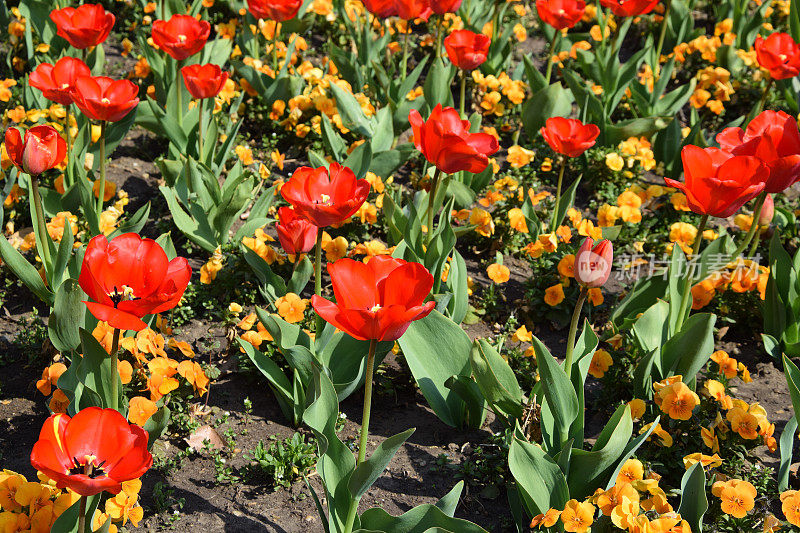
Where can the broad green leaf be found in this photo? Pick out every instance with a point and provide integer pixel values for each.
(558, 390)
(67, 316)
(541, 483)
(371, 469)
(495, 378)
(693, 503)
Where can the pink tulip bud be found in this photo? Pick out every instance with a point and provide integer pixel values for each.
(593, 263)
(767, 211)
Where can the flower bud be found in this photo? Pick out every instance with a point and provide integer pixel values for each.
(593, 263)
(767, 211)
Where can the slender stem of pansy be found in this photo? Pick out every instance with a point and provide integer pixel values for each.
(687, 282)
(200, 129)
(753, 225)
(41, 226)
(463, 103)
(102, 190)
(557, 205)
(318, 323)
(573, 329)
(82, 515)
(550, 53)
(432, 204)
(404, 64)
(661, 36)
(439, 36)
(114, 369)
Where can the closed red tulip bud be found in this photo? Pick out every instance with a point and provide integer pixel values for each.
(94, 451)
(629, 8)
(445, 141)
(325, 196)
(56, 81)
(593, 263)
(296, 234)
(767, 211)
(569, 136)
(441, 7)
(717, 183)
(560, 14)
(278, 10)
(467, 50)
(779, 54)
(378, 300)
(772, 137)
(204, 81)
(181, 36)
(101, 98)
(83, 26)
(129, 278)
(42, 149)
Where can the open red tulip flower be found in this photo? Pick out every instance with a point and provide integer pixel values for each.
(717, 183)
(376, 301)
(204, 81)
(277, 10)
(325, 197)
(131, 277)
(94, 451)
(56, 81)
(569, 136)
(629, 8)
(405, 9)
(83, 26)
(181, 36)
(593, 263)
(41, 149)
(445, 141)
(467, 50)
(560, 14)
(442, 7)
(772, 137)
(296, 234)
(101, 98)
(779, 54)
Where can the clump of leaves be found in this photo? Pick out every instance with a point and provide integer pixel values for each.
(281, 462)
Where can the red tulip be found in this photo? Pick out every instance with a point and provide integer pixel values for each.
(593, 263)
(131, 277)
(56, 82)
(378, 300)
(42, 149)
(718, 183)
(772, 137)
(83, 26)
(381, 8)
(779, 54)
(405, 9)
(629, 8)
(767, 211)
(560, 14)
(445, 141)
(441, 7)
(467, 50)
(296, 234)
(278, 10)
(101, 98)
(94, 451)
(325, 197)
(569, 136)
(181, 36)
(204, 81)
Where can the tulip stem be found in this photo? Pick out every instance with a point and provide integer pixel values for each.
(439, 35)
(756, 110)
(550, 53)
(82, 515)
(41, 228)
(687, 282)
(68, 173)
(114, 370)
(200, 130)
(661, 37)
(102, 189)
(753, 225)
(431, 205)
(404, 64)
(557, 205)
(180, 92)
(756, 242)
(276, 32)
(462, 104)
(573, 329)
(318, 324)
